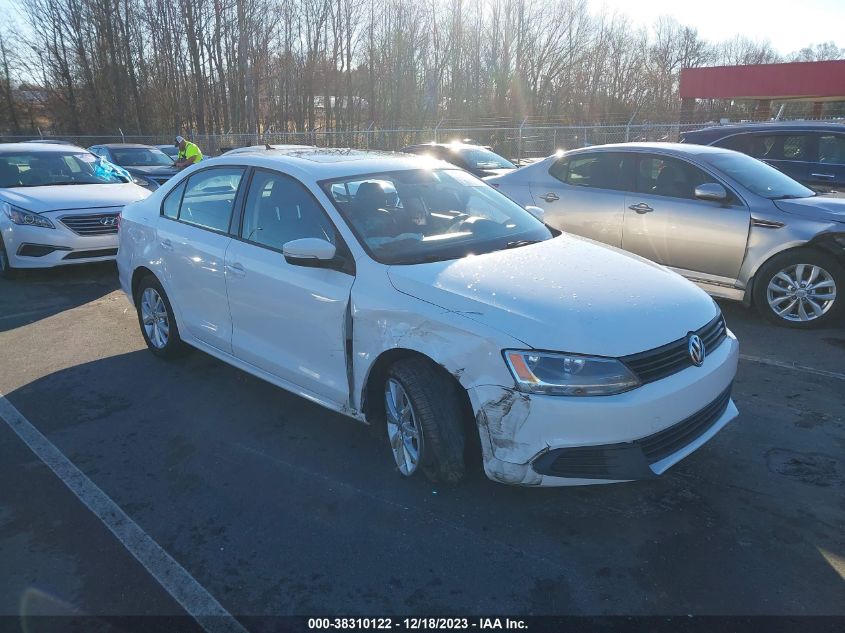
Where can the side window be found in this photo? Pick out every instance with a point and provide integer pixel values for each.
(280, 209)
(210, 196)
(781, 147)
(604, 170)
(170, 206)
(832, 149)
(741, 143)
(661, 176)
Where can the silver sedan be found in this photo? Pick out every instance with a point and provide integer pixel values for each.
(737, 227)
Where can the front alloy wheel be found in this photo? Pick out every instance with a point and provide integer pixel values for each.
(403, 431)
(801, 292)
(154, 318)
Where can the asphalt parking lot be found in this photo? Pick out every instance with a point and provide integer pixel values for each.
(276, 506)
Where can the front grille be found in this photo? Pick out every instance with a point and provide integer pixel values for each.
(91, 223)
(664, 443)
(103, 252)
(671, 358)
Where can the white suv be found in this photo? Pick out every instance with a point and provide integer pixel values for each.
(399, 290)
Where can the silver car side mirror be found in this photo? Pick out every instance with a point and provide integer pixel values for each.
(711, 191)
(537, 212)
(309, 251)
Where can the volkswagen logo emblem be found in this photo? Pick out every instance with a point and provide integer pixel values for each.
(108, 221)
(695, 346)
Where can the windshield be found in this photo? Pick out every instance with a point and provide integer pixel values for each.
(141, 157)
(420, 215)
(480, 158)
(758, 177)
(38, 169)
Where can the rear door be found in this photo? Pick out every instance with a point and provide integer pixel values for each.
(584, 194)
(829, 168)
(666, 223)
(288, 320)
(193, 238)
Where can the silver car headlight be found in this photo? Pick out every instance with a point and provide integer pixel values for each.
(25, 218)
(558, 374)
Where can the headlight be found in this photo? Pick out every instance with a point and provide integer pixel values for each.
(25, 218)
(558, 374)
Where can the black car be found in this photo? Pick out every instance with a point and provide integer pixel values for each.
(811, 152)
(148, 165)
(476, 159)
(170, 149)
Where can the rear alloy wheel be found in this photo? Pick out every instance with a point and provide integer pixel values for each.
(155, 316)
(800, 289)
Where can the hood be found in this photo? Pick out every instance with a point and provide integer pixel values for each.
(821, 207)
(62, 197)
(565, 294)
(489, 173)
(152, 171)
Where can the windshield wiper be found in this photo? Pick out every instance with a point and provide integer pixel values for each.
(518, 243)
(790, 196)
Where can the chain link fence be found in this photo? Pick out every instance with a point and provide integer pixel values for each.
(520, 143)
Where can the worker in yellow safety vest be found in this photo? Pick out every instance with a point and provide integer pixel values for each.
(189, 153)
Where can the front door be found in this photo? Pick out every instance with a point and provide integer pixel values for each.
(193, 238)
(584, 194)
(288, 320)
(666, 223)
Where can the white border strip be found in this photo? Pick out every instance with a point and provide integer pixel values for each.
(174, 578)
(801, 368)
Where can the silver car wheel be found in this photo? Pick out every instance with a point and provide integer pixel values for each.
(403, 431)
(154, 317)
(801, 292)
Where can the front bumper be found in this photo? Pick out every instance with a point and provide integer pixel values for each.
(37, 247)
(556, 440)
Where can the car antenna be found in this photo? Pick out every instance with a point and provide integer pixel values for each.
(268, 146)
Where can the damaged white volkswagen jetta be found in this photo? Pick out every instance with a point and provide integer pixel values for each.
(401, 291)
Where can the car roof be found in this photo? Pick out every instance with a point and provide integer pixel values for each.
(775, 126)
(266, 148)
(45, 148)
(455, 145)
(125, 146)
(675, 148)
(325, 163)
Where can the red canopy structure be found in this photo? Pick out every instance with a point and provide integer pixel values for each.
(806, 81)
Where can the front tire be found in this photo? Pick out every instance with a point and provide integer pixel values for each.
(424, 421)
(155, 316)
(801, 288)
(6, 270)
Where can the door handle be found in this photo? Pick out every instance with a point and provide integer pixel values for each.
(236, 270)
(166, 245)
(641, 208)
(550, 197)
(829, 176)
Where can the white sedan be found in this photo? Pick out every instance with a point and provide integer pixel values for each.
(58, 205)
(403, 292)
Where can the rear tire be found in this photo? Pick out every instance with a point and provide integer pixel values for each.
(424, 421)
(155, 316)
(802, 288)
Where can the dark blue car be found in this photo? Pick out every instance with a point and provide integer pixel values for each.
(812, 153)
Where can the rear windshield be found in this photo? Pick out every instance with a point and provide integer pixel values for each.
(481, 158)
(39, 169)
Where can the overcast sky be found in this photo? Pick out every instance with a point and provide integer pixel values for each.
(789, 26)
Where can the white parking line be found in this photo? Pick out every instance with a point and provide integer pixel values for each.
(174, 578)
(801, 368)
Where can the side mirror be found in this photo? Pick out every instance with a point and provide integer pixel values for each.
(711, 191)
(537, 212)
(309, 251)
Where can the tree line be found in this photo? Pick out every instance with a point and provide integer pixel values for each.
(247, 66)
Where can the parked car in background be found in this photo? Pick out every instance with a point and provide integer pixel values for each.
(737, 227)
(149, 166)
(170, 149)
(58, 207)
(476, 159)
(812, 152)
(429, 303)
(261, 148)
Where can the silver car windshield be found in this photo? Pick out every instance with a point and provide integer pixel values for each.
(758, 177)
(40, 169)
(421, 215)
